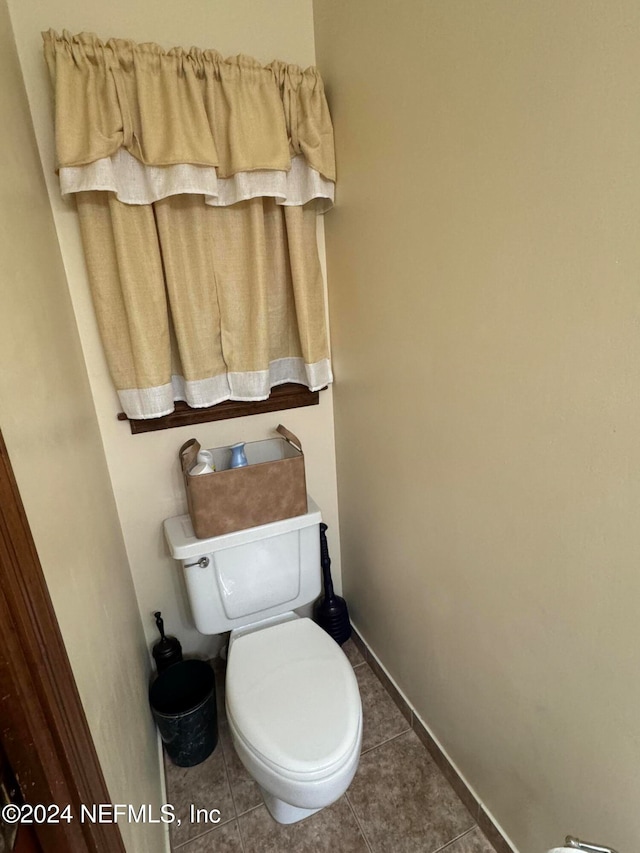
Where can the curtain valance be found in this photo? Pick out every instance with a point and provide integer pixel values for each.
(192, 175)
(147, 123)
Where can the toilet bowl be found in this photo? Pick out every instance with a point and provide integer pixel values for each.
(292, 698)
(294, 714)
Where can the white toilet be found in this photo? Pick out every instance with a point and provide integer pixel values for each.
(292, 699)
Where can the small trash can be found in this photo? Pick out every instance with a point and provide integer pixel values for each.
(183, 702)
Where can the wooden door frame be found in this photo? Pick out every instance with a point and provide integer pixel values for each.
(43, 728)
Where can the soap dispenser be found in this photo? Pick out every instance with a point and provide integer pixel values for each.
(238, 457)
(168, 650)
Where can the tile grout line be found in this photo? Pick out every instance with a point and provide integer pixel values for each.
(226, 770)
(228, 775)
(223, 719)
(240, 833)
(457, 838)
(233, 799)
(196, 837)
(357, 820)
(242, 847)
(248, 811)
(384, 742)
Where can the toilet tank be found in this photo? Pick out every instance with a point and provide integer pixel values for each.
(249, 575)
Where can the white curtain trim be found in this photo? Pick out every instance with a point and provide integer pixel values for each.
(143, 403)
(135, 183)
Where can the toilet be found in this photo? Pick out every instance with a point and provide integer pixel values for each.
(292, 699)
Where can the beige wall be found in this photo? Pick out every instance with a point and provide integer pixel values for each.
(49, 424)
(484, 275)
(144, 469)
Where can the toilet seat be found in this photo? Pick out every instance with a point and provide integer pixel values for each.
(293, 701)
(263, 769)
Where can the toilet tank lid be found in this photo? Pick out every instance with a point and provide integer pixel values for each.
(292, 694)
(184, 544)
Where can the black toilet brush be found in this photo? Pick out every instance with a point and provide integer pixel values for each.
(331, 612)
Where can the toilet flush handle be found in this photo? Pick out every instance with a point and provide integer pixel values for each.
(203, 562)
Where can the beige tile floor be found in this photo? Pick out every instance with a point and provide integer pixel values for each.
(398, 802)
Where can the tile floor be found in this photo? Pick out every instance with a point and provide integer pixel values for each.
(398, 802)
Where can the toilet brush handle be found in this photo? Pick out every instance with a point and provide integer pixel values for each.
(325, 561)
(160, 623)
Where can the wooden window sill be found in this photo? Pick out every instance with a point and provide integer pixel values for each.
(288, 396)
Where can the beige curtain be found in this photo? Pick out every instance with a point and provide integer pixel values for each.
(197, 182)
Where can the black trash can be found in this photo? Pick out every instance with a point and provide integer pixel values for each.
(183, 701)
